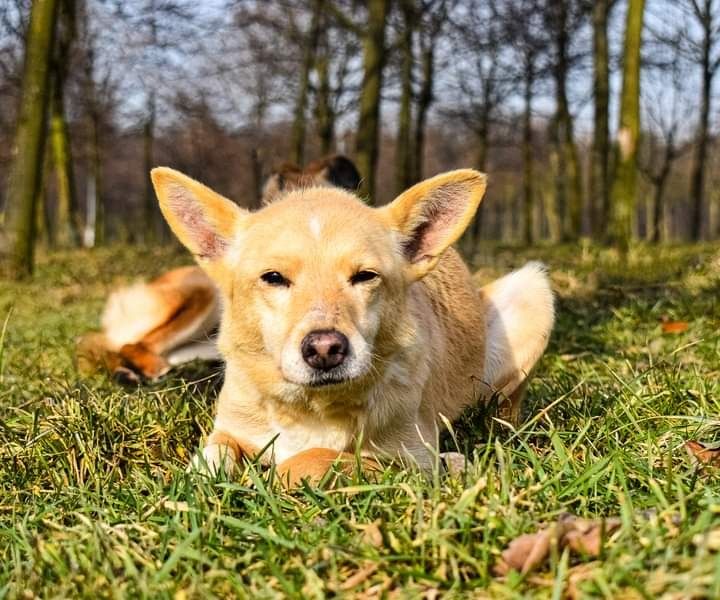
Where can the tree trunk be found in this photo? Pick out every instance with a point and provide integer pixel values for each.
(697, 192)
(297, 135)
(152, 212)
(257, 178)
(366, 149)
(24, 178)
(471, 237)
(44, 230)
(599, 208)
(324, 111)
(527, 152)
(624, 188)
(95, 212)
(404, 153)
(66, 217)
(658, 207)
(568, 176)
(425, 99)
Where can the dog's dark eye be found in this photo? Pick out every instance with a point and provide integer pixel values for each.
(363, 276)
(274, 278)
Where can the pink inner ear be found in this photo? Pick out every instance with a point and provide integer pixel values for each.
(440, 212)
(192, 217)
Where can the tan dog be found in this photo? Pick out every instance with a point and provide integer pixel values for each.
(149, 327)
(347, 326)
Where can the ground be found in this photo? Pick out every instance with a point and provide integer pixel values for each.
(95, 500)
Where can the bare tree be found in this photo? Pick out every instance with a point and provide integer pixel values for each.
(564, 19)
(309, 50)
(703, 48)
(667, 110)
(599, 166)
(523, 26)
(431, 25)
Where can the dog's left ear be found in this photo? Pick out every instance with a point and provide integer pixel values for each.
(203, 220)
(433, 214)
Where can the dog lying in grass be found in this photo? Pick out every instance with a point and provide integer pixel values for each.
(347, 327)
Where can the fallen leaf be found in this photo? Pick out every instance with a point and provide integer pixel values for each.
(526, 552)
(371, 534)
(674, 326)
(583, 536)
(703, 454)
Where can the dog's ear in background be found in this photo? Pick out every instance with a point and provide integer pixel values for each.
(341, 172)
(332, 171)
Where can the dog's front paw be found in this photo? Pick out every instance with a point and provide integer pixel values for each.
(213, 459)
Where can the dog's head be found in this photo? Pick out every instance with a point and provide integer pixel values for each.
(315, 284)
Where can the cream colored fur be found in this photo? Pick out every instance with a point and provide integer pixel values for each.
(424, 341)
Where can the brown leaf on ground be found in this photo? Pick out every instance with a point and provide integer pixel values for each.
(674, 326)
(583, 536)
(703, 454)
(526, 552)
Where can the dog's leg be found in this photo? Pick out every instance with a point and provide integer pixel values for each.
(221, 452)
(313, 464)
(512, 407)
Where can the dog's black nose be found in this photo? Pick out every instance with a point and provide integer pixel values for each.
(324, 349)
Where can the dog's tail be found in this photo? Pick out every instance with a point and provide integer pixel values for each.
(520, 316)
(130, 313)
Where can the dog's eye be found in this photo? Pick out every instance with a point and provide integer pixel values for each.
(274, 278)
(363, 276)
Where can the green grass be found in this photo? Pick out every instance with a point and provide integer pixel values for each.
(95, 501)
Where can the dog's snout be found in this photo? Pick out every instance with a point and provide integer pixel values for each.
(325, 349)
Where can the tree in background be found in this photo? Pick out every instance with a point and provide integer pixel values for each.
(523, 26)
(431, 25)
(483, 81)
(600, 158)
(403, 140)
(25, 178)
(624, 188)
(368, 129)
(564, 18)
(310, 45)
(67, 218)
(666, 110)
(704, 50)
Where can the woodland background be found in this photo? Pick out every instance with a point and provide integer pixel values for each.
(593, 119)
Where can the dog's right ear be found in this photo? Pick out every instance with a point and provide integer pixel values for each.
(203, 220)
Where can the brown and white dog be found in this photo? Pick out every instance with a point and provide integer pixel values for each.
(147, 328)
(348, 327)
